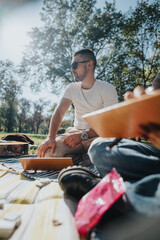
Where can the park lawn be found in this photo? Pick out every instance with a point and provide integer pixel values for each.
(37, 138)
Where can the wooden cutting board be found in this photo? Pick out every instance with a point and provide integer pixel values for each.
(56, 163)
(122, 120)
(13, 148)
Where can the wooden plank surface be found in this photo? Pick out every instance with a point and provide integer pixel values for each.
(122, 120)
(6, 143)
(56, 163)
(13, 148)
(43, 210)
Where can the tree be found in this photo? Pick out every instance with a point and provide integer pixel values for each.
(143, 40)
(9, 93)
(7, 71)
(67, 26)
(135, 60)
(37, 114)
(24, 109)
(126, 45)
(10, 105)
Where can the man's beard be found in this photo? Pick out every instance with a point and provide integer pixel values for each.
(80, 78)
(77, 79)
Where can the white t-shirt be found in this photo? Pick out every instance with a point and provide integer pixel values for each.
(101, 95)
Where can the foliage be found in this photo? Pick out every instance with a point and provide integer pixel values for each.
(24, 109)
(134, 57)
(141, 34)
(9, 93)
(126, 45)
(67, 26)
(15, 112)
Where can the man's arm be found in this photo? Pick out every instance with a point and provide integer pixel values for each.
(109, 97)
(55, 123)
(75, 138)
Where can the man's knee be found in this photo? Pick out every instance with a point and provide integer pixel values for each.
(61, 148)
(93, 150)
(97, 150)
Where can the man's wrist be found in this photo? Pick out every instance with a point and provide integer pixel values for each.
(51, 138)
(84, 135)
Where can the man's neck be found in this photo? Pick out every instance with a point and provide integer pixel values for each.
(88, 82)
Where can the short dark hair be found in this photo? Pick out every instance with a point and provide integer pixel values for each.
(89, 53)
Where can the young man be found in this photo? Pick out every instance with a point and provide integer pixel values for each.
(139, 165)
(87, 94)
(133, 160)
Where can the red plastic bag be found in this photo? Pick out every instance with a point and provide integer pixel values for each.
(96, 202)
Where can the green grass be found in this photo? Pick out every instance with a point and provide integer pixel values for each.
(37, 138)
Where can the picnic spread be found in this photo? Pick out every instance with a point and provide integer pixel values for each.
(33, 206)
(37, 208)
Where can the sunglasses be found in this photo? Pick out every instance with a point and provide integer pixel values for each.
(74, 65)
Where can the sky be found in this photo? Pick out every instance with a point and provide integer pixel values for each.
(15, 24)
(20, 20)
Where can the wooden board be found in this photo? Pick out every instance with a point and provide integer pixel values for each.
(56, 163)
(13, 148)
(122, 120)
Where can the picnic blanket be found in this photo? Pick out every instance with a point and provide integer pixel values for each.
(14, 163)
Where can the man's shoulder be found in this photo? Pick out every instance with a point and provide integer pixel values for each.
(103, 84)
(74, 85)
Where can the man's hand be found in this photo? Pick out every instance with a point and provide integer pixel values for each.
(73, 139)
(138, 92)
(150, 131)
(47, 143)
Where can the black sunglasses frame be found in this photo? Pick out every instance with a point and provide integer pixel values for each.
(74, 65)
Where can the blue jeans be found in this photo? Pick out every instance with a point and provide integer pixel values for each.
(133, 160)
